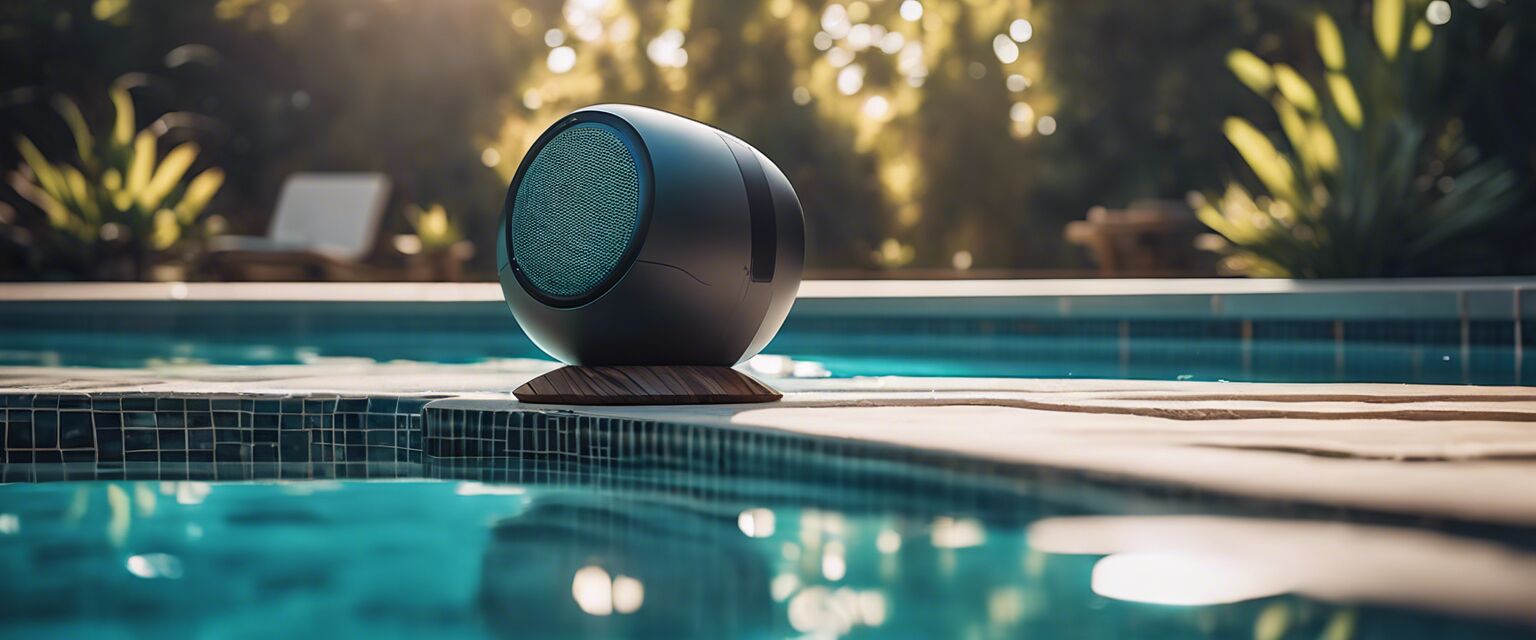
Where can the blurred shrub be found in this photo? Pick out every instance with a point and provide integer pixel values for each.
(117, 205)
(1370, 174)
(436, 248)
(434, 231)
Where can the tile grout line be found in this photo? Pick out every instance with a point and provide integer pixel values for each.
(1462, 309)
(1519, 335)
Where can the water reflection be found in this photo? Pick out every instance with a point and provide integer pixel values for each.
(598, 594)
(1198, 560)
(572, 565)
(570, 552)
(1184, 578)
(154, 565)
(756, 523)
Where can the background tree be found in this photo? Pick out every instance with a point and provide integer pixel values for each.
(934, 134)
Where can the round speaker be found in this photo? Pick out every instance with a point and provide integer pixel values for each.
(632, 236)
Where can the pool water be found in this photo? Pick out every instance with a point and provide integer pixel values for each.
(528, 549)
(1432, 355)
(802, 539)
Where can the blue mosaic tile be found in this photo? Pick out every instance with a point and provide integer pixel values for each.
(45, 429)
(294, 447)
(18, 433)
(173, 439)
(177, 430)
(231, 452)
(383, 404)
(108, 420)
(75, 402)
(140, 440)
(76, 430)
(412, 405)
(109, 444)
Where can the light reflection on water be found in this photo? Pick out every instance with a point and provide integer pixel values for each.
(690, 556)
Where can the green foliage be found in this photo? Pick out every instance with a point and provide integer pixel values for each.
(117, 203)
(1369, 175)
(446, 96)
(360, 85)
(434, 230)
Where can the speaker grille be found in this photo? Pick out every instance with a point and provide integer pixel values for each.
(576, 211)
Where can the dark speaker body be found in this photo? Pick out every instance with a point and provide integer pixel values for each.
(632, 236)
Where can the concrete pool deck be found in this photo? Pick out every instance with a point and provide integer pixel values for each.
(1463, 453)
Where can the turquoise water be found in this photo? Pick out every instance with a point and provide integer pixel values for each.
(567, 552)
(830, 547)
(1430, 354)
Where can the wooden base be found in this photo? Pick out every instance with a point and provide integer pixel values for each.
(634, 385)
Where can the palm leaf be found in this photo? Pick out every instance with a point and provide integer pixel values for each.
(165, 231)
(85, 143)
(1272, 168)
(141, 165)
(122, 128)
(81, 194)
(167, 175)
(1387, 19)
(48, 176)
(199, 192)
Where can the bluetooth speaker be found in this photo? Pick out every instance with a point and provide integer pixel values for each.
(632, 236)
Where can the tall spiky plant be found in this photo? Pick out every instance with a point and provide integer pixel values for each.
(1368, 177)
(117, 198)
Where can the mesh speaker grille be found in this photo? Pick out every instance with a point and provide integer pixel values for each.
(576, 211)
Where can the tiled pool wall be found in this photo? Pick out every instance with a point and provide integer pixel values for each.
(117, 428)
(1278, 350)
(112, 436)
(1454, 331)
(1478, 333)
(129, 436)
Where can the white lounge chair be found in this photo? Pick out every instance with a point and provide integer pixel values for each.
(325, 224)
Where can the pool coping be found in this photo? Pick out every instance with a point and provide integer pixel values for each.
(1437, 452)
(1497, 298)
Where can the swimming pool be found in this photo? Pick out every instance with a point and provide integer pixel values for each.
(240, 506)
(1474, 331)
(539, 548)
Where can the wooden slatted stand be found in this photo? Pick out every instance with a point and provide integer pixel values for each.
(639, 385)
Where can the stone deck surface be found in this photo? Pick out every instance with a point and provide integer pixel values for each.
(1459, 452)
